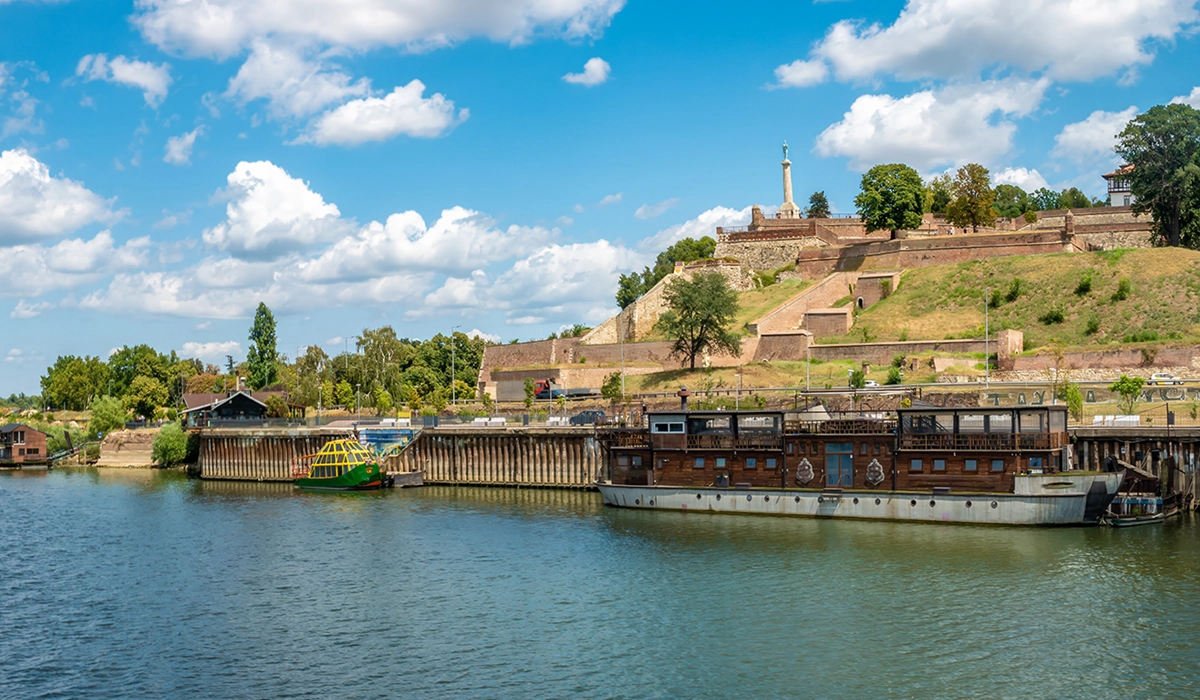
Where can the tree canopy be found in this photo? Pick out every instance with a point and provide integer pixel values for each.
(699, 313)
(937, 193)
(818, 206)
(973, 197)
(1010, 201)
(892, 197)
(262, 359)
(634, 285)
(1163, 146)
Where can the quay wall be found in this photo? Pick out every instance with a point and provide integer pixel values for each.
(543, 457)
(259, 455)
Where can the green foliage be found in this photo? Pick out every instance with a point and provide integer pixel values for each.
(343, 394)
(1085, 284)
(107, 414)
(611, 388)
(145, 395)
(276, 407)
(1070, 393)
(904, 334)
(170, 446)
(1010, 201)
(858, 379)
(383, 400)
(1093, 326)
(139, 360)
(700, 311)
(892, 198)
(1142, 336)
(1051, 316)
(1163, 146)
(530, 392)
(489, 404)
(1124, 289)
(632, 286)
(1031, 217)
(937, 193)
(1128, 388)
(973, 197)
(262, 359)
(1014, 290)
(1043, 199)
(818, 206)
(21, 401)
(895, 375)
(71, 382)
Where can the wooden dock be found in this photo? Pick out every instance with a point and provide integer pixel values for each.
(259, 454)
(556, 457)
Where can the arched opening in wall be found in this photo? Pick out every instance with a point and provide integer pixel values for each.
(860, 302)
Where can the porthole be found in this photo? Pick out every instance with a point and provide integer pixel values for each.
(968, 504)
(718, 496)
(820, 499)
(697, 497)
(797, 499)
(749, 497)
(995, 504)
(932, 503)
(651, 501)
(877, 501)
(637, 501)
(913, 502)
(856, 501)
(766, 498)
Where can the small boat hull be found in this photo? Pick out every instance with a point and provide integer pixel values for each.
(1135, 520)
(361, 478)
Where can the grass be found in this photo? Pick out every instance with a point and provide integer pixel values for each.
(1139, 293)
(755, 304)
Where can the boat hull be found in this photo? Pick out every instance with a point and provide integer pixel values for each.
(1059, 508)
(360, 478)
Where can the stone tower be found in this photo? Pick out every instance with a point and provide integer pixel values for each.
(787, 210)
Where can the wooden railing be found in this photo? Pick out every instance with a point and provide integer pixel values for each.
(841, 426)
(627, 438)
(983, 441)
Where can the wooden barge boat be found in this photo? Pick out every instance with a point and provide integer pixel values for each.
(1004, 466)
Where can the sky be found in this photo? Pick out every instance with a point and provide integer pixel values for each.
(493, 166)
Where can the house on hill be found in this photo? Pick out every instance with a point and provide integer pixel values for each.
(205, 410)
(20, 444)
(1120, 194)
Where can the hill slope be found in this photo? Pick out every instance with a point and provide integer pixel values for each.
(944, 301)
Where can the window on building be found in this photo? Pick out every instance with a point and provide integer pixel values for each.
(21, 452)
(997, 465)
(698, 463)
(667, 427)
(790, 446)
(720, 462)
(31, 451)
(914, 465)
(770, 463)
(1127, 200)
(751, 463)
(18, 437)
(971, 465)
(939, 465)
(622, 461)
(1035, 462)
(637, 460)
(878, 448)
(862, 448)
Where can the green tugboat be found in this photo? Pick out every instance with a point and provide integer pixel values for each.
(341, 465)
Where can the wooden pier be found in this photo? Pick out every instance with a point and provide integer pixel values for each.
(1170, 453)
(259, 454)
(543, 457)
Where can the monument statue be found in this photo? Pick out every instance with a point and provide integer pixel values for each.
(785, 150)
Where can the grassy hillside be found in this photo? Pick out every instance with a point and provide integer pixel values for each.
(757, 302)
(1073, 300)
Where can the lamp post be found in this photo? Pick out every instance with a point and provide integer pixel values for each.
(621, 338)
(358, 400)
(987, 349)
(320, 391)
(453, 396)
(737, 395)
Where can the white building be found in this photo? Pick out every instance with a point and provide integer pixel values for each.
(1119, 193)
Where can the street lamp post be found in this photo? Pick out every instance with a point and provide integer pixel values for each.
(320, 391)
(453, 396)
(358, 400)
(987, 349)
(737, 395)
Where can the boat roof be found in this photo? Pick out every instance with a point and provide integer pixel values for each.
(716, 413)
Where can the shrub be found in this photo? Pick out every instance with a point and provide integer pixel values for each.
(895, 376)
(276, 407)
(1093, 326)
(904, 334)
(1014, 290)
(1031, 217)
(1051, 316)
(170, 446)
(1142, 336)
(107, 414)
(897, 361)
(1124, 289)
(1085, 284)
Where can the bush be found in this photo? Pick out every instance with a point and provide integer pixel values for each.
(895, 376)
(1124, 289)
(1142, 336)
(1093, 326)
(1014, 290)
(897, 361)
(170, 445)
(1051, 316)
(1085, 284)
(276, 407)
(108, 414)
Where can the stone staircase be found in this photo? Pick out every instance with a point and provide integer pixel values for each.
(790, 314)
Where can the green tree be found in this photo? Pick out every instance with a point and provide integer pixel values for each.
(276, 407)
(699, 313)
(973, 198)
(1070, 393)
(892, 197)
(858, 379)
(530, 392)
(1128, 388)
(262, 359)
(1163, 146)
(1011, 201)
(383, 400)
(137, 361)
(611, 388)
(1044, 199)
(72, 382)
(937, 193)
(632, 286)
(107, 414)
(818, 206)
(170, 446)
(1073, 198)
(344, 394)
(145, 395)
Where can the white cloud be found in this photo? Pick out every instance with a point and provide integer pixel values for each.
(34, 205)
(404, 111)
(1091, 141)
(16, 356)
(335, 340)
(271, 213)
(947, 126)
(24, 309)
(179, 148)
(651, 211)
(293, 85)
(154, 80)
(609, 199)
(29, 270)
(1026, 179)
(565, 221)
(595, 72)
(703, 225)
(476, 333)
(954, 39)
(213, 351)
(801, 73)
(23, 118)
(1192, 99)
(223, 27)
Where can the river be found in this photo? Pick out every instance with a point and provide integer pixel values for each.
(140, 584)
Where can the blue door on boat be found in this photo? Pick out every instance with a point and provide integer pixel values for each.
(839, 464)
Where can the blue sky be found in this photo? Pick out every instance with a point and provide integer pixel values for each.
(494, 166)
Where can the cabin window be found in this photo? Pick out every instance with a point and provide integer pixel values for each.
(790, 446)
(997, 465)
(816, 448)
(1033, 422)
(720, 462)
(1035, 462)
(971, 465)
(862, 449)
(751, 463)
(19, 438)
(31, 451)
(698, 463)
(637, 460)
(668, 427)
(878, 448)
(770, 463)
(622, 461)
(914, 465)
(939, 465)
(709, 424)
(802, 448)
(758, 424)
(1058, 421)
(21, 452)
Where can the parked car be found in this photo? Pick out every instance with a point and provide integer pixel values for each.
(1163, 378)
(587, 417)
(870, 383)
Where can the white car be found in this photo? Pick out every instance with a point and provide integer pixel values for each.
(870, 383)
(1163, 378)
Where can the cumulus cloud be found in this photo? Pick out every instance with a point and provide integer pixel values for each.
(1091, 141)
(30, 270)
(23, 115)
(801, 73)
(154, 80)
(404, 111)
(476, 333)
(937, 127)
(652, 211)
(1192, 99)
(179, 148)
(222, 28)
(24, 309)
(293, 85)
(35, 206)
(271, 213)
(703, 225)
(609, 199)
(1026, 179)
(950, 39)
(595, 72)
(212, 351)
